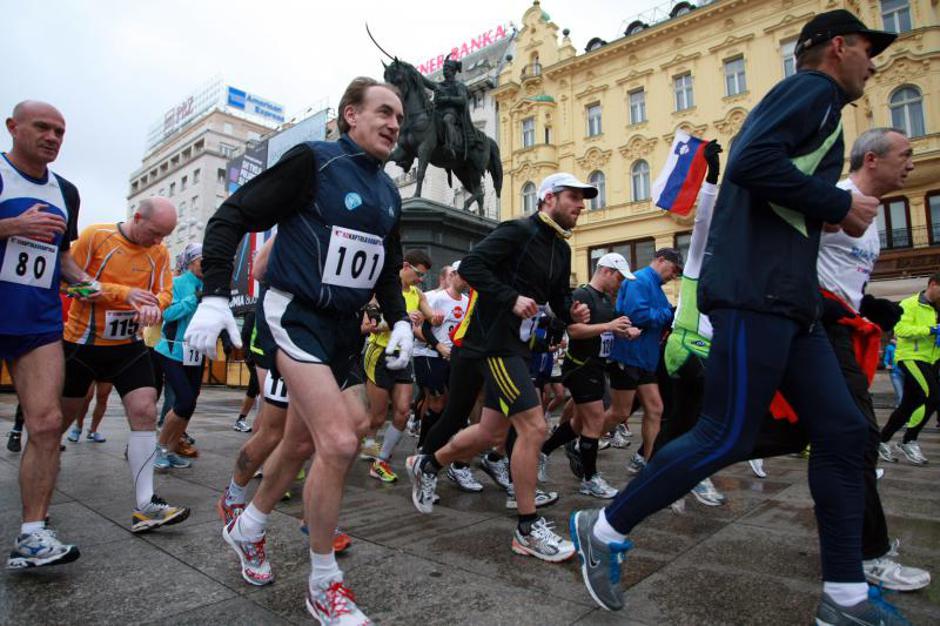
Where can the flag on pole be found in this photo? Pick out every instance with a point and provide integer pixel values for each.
(678, 184)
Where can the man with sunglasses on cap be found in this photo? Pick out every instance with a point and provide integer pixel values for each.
(519, 268)
(759, 287)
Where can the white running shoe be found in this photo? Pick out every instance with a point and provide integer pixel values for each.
(678, 507)
(543, 543)
(621, 438)
(542, 498)
(543, 468)
(912, 453)
(706, 493)
(597, 487)
(885, 453)
(757, 466)
(498, 471)
(333, 604)
(464, 478)
(255, 567)
(241, 426)
(39, 548)
(637, 463)
(423, 486)
(887, 573)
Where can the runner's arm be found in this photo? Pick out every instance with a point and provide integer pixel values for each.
(261, 203)
(184, 302)
(906, 326)
(703, 220)
(71, 272)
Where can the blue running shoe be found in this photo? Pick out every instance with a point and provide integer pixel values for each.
(875, 611)
(600, 562)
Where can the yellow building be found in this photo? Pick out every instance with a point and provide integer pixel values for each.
(609, 114)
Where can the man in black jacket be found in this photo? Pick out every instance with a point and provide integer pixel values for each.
(759, 287)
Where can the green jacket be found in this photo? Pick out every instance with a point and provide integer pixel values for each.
(915, 343)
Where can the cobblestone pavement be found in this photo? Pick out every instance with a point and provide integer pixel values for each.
(752, 561)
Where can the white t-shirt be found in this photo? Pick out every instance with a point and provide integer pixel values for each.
(845, 263)
(454, 311)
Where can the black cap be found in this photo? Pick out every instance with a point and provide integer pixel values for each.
(670, 254)
(827, 25)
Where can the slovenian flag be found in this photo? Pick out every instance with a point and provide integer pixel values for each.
(678, 184)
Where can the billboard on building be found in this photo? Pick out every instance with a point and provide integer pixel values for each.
(242, 169)
(253, 105)
(312, 128)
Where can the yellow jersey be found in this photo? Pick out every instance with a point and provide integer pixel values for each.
(412, 303)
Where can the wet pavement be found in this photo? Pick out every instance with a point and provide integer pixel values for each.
(754, 560)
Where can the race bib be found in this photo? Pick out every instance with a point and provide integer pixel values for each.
(607, 342)
(354, 259)
(120, 324)
(275, 388)
(528, 325)
(191, 356)
(29, 262)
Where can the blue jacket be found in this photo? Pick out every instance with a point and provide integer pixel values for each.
(186, 294)
(643, 301)
(779, 187)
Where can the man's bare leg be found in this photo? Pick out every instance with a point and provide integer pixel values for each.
(652, 416)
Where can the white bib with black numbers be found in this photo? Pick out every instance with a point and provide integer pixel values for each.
(607, 342)
(354, 259)
(275, 388)
(191, 356)
(120, 324)
(29, 262)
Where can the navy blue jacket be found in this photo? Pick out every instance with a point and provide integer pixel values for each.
(338, 217)
(643, 301)
(759, 257)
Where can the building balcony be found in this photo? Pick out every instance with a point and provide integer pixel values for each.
(531, 71)
(908, 253)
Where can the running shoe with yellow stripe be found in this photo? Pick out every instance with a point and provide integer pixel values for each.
(157, 513)
(383, 471)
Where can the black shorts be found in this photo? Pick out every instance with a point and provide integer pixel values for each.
(432, 374)
(13, 347)
(379, 375)
(309, 335)
(127, 366)
(507, 385)
(262, 345)
(253, 386)
(626, 377)
(585, 381)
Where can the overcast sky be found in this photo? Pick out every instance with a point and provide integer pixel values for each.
(114, 67)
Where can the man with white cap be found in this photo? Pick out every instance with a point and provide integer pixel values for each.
(585, 367)
(521, 266)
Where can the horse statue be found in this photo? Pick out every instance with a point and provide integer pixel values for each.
(423, 138)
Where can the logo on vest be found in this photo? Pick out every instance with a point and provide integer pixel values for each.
(391, 211)
(353, 201)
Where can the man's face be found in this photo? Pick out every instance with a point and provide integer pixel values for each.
(375, 124)
(37, 133)
(855, 65)
(667, 270)
(891, 170)
(457, 282)
(564, 206)
(449, 71)
(413, 274)
(150, 231)
(932, 293)
(613, 280)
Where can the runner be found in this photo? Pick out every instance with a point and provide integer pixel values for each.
(338, 244)
(254, 386)
(100, 393)
(585, 370)
(182, 366)
(38, 222)
(519, 267)
(102, 342)
(759, 287)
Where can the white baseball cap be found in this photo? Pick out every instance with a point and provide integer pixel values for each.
(617, 262)
(455, 265)
(557, 182)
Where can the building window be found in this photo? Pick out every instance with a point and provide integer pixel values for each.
(172, 189)
(529, 203)
(548, 135)
(894, 224)
(196, 177)
(933, 216)
(640, 179)
(228, 151)
(735, 81)
(682, 242)
(528, 132)
(638, 252)
(600, 200)
(896, 15)
(220, 175)
(637, 106)
(593, 120)
(183, 183)
(683, 89)
(182, 208)
(195, 202)
(787, 51)
(907, 111)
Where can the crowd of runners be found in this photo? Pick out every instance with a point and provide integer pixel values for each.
(771, 349)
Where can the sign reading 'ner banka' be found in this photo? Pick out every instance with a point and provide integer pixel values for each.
(479, 42)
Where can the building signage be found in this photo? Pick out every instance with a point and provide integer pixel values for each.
(481, 41)
(250, 103)
(312, 128)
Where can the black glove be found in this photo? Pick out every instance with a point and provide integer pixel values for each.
(833, 311)
(712, 150)
(883, 312)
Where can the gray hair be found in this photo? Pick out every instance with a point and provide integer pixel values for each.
(875, 141)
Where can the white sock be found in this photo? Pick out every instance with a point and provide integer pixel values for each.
(236, 493)
(846, 594)
(28, 528)
(251, 524)
(141, 451)
(392, 435)
(605, 532)
(323, 568)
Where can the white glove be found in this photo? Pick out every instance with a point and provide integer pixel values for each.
(212, 316)
(401, 340)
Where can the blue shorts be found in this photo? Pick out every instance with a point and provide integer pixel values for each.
(432, 374)
(13, 347)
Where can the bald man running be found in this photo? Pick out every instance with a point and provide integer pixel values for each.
(38, 221)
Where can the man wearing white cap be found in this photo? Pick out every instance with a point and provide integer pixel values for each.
(521, 266)
(586, 364)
